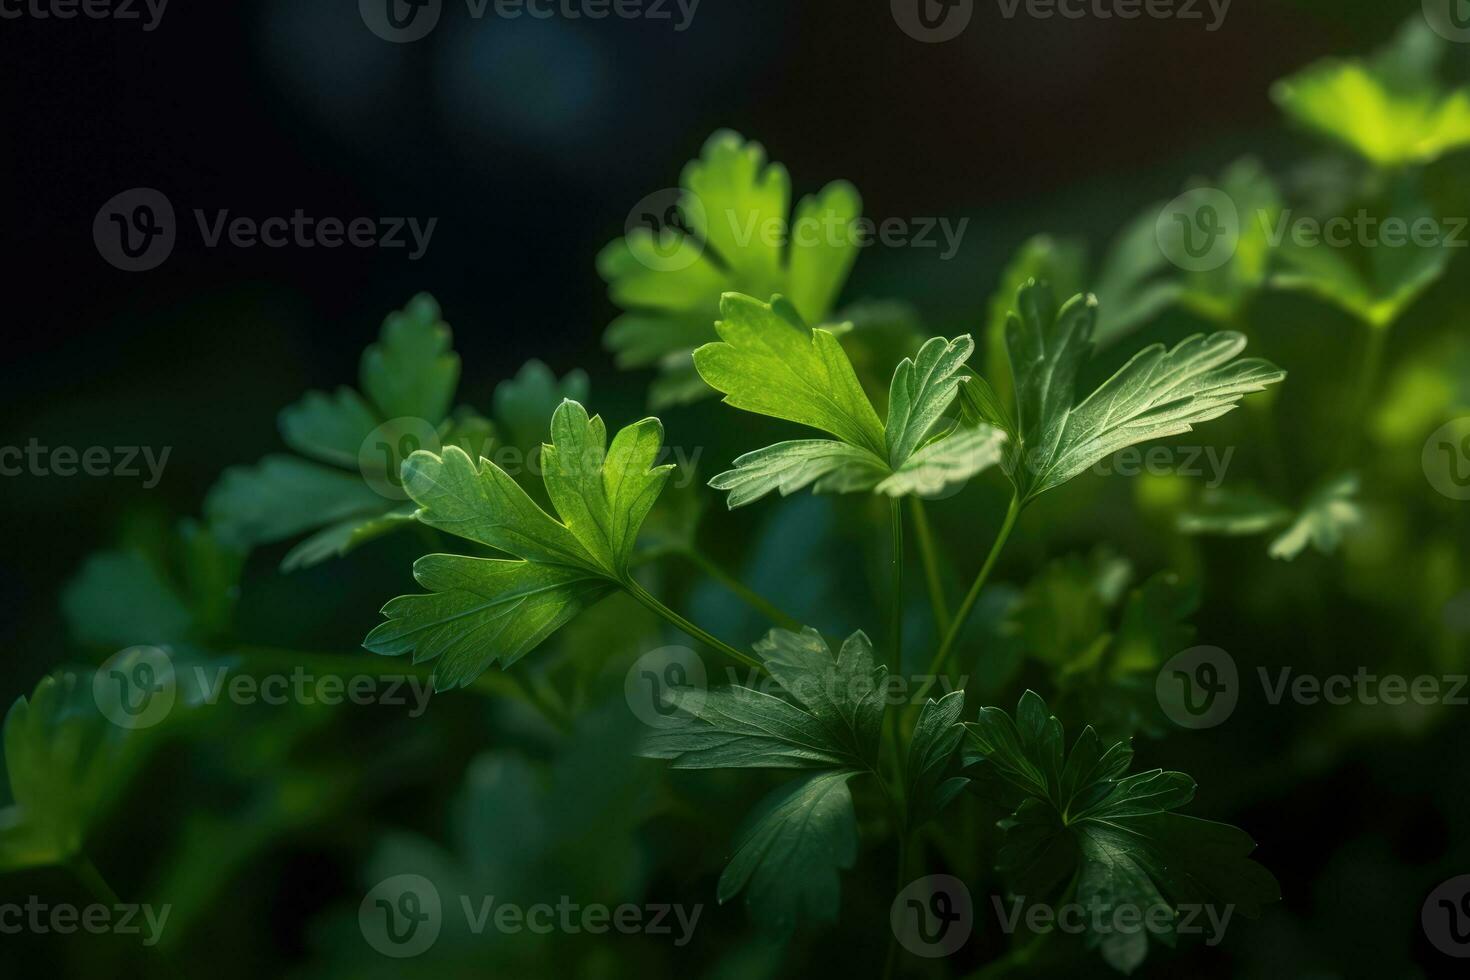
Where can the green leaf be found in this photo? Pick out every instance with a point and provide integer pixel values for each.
(827, 466)
(1062, 264)
(1081, 819)
(788, 858)
(1375, 284)
(410, 373)
(183, 589)
(1233, 512)
(937, 734)
(481, 611)
(769, 363)
(735, 206)
(1328, 513)
(1223, 293)
(830, 717)
(1158, 393)
(1133, 285)
(524, 404)
(1390, 108)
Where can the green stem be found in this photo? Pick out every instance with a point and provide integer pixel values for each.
(748, 595)
(1372, 367)
(947, 647)
(929, 556)
(651, 603)
(895, 513)
(892, 957)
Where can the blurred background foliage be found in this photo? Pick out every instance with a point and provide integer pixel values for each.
(1325, 548)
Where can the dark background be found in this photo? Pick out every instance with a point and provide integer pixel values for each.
(529, 141)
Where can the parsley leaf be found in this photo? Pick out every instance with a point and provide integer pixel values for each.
(736, 206)
(1158, 393)
(1389, 107)
(769, 363)
(1079, 819)
(830, 717)
(481, 610)
(787, 859)
(1329, 511)
(937, 734)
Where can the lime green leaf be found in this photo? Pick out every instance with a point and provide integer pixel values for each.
(1389, 107)
(1082, 821)
(787, 859)
(827, 466)
(336, 540)
(485, 610)
(741, 238)
(1058, 262)
(769, 363)
(1158, 393)
(832, 720)
(480, 611)
(1328, 513)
